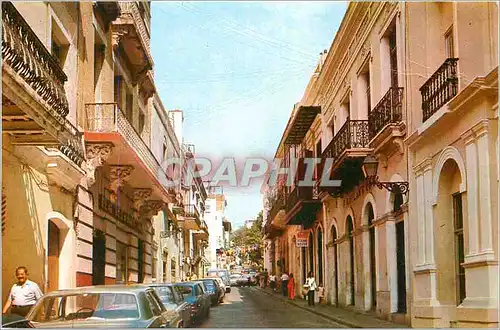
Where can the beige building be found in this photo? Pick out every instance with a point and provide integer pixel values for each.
(84, 184)
(406, 114)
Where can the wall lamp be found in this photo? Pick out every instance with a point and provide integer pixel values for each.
(370, 167)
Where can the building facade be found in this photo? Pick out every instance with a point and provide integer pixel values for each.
(87, 144)
(398, 113)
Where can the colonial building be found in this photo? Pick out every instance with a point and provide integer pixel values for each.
(407, 118)
(82, 168)
(42, 146)
(214, 214)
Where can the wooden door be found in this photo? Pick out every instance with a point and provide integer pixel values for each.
(53, 257)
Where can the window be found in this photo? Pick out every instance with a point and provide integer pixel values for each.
(153, 304)
(121, 263)
(459, 247)
(59, 45)
(368, 93)
(393, 56)
(448, 41)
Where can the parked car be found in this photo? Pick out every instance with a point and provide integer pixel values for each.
(103, 306)
(15, 321)
(215, 290)
(173, 299)
(243, 280)
(224, 275)
(197, 298)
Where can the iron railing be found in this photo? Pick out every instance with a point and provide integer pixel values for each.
(298, 194)
(441, 87)
(388, 111)
(127, 218)
(353, 134)
(276, 205)
(107, 117)
(27, 55)
(191, 211)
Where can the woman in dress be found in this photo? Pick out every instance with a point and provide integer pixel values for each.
(291, 287)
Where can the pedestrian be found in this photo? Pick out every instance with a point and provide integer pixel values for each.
(284, 284)
(321, 293)
(23, 295)
(311, 287)
(266, 277)
(272, 282)
(291, 287)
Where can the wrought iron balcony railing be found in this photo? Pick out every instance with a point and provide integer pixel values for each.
(353, 134)
(441, 87)
(127, 218)
(191, 211)
(388, 111)
(276, 205)
(298, 194)
(27, 55)
(107, 117)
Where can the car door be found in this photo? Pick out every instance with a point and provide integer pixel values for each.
(182, 305)
(157, 310)
(206, 296)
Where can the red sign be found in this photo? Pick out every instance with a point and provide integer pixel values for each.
(302, 239)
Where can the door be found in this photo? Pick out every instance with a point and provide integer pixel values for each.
(53, 257)
(401, 267)
(98, 258)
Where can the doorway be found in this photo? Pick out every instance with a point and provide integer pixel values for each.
(320, 256)
(98, 257)
(373, 271)
(311, 253)
(400, 256)
(54, 252)
(335, 266)
(350, 233)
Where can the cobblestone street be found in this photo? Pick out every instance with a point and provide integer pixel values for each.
(251, 308)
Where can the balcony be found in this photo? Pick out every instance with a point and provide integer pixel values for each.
(301, 207)
(191, 218)
(385, 123)
(276, 213)
(271, 231)
(34, 103)
(131, 38)
(108, 126)
(128, 218)
(108, 10)
(301, 122)
(440, 88)
(347, 150)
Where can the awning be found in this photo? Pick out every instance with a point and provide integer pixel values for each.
(301, 123)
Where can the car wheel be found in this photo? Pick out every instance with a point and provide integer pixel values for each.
(181, 325)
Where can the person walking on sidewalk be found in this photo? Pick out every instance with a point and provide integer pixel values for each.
(284, 284)
(291, 287)
(272, 282)
(311, 287)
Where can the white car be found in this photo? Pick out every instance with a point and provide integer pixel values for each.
(222, 285)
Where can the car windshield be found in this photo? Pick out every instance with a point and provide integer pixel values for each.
(209, 283)
(166, 296)
(86, 306)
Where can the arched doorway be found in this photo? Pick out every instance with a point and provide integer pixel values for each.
(311, 252)
(320, 255)
(373, 272)
(335, 265)
(449, 232)
(54, 251)
(350, 235)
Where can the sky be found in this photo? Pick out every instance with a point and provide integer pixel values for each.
(236, 69)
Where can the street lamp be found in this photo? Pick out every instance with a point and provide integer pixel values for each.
(370, 167)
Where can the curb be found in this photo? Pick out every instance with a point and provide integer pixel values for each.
(332, 318)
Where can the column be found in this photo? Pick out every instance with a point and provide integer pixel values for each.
(420, 220)
(472, 194)
(485, 243)
(429, 218)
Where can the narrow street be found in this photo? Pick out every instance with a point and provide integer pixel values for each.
(250, 308)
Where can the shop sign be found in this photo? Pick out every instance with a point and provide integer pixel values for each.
(302, 239)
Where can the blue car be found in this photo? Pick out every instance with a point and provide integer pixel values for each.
(199, 302)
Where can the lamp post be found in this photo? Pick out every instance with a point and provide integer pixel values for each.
(370, 167)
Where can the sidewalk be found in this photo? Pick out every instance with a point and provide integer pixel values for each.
(352, 319)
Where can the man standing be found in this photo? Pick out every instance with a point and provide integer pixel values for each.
(284, 284)
(23, 295)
